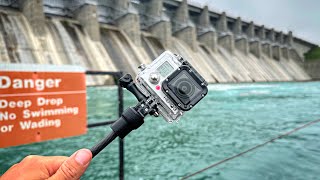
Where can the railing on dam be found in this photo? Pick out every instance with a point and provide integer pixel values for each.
(116, 76)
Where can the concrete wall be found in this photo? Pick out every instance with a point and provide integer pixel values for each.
(313, 69)
(33, 11)
(87, 16)
(300, 48)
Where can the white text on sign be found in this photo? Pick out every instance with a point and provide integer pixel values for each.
(38, 84)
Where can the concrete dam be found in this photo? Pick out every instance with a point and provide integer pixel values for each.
(113, 35)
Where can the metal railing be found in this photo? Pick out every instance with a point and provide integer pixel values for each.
(116, 76)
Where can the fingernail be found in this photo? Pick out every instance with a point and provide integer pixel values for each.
(83, 156)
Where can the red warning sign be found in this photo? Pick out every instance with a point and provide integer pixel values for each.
(39, 103)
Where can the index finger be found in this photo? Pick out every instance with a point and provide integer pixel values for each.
(53, 163)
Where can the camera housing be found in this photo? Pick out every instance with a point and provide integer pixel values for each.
(174, 84)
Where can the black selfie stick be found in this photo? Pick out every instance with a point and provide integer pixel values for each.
(131, 119)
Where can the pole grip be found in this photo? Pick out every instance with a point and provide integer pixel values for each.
(129, 120)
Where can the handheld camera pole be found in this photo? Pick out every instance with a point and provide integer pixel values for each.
(131, 119)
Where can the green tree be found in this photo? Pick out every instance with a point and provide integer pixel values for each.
(313, 54)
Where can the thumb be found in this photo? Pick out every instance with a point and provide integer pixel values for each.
(74, 166)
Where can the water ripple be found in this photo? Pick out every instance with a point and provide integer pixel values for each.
(232, 118)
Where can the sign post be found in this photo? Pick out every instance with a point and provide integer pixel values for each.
(41, 102)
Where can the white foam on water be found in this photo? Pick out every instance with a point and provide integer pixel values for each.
(256, 92)
(226, 87)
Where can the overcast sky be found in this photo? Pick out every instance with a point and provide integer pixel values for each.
(300, 16)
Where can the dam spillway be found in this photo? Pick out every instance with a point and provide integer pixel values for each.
(120, 35)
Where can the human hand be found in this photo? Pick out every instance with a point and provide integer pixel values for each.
(52, 168)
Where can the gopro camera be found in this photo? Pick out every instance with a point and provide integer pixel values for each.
(168, 86)
(173, 83)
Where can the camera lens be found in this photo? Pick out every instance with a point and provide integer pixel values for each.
(184, 88)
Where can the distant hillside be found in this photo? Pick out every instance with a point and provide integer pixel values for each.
(313, 54)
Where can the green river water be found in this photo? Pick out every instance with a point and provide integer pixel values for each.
(231, 119)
